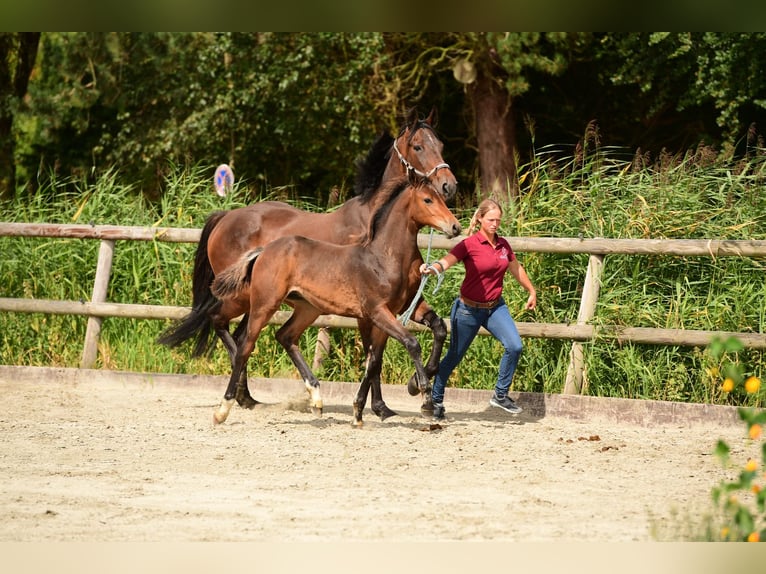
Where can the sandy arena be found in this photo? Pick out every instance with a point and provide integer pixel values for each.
(98, 456)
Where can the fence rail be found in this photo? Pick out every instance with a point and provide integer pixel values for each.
(579, 332)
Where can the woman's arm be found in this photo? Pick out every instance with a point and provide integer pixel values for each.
(521, 276)
(439, 266)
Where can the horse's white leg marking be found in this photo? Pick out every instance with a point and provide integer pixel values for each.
(222, 413)
(316, 398)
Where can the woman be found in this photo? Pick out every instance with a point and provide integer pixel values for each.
(486, 257)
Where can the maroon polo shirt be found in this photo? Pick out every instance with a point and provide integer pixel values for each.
(485, 266)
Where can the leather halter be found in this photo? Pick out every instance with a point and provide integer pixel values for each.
(412, 169)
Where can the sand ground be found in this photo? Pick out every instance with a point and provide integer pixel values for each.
(90, 456)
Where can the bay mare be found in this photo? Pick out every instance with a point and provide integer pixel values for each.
(370, 281)
(227, 235)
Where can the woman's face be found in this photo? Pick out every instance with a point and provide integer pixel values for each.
(490, 222)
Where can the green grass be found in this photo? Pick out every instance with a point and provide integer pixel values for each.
(691, 197)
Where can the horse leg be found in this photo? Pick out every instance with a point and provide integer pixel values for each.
(427, 316)
(377, 404)
(244, 399)
(288, 335)
(386, 322)
(230, 342)
(242, 354)
(360, 400)
(374, 341)
(244, 348)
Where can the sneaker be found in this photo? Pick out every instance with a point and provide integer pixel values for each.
(438, 412)
(506, 403)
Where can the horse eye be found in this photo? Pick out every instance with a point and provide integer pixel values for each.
(429, 200)
(418, 148)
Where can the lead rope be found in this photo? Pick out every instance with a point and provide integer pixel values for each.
(405, 317)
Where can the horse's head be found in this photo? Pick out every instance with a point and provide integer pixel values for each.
(419, 151)
(427, 207)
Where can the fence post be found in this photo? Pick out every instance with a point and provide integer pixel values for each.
(576, 378)
(100, 286)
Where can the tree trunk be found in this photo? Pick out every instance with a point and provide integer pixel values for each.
(496, 138)
(13, 86)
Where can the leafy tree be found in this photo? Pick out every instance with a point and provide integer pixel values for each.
(295, 108)
(494, 68)
(284, 108)
(681, 71)
(17, 57)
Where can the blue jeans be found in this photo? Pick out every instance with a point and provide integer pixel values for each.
(465, 322)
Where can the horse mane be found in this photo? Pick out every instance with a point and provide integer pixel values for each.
(370, 168)
(391, 191)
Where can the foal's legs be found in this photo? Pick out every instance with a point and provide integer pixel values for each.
(386, 322)
(288, 335)
(220, 322)
(374, 341)
(425, 315)
(244, 399)
(243, 351)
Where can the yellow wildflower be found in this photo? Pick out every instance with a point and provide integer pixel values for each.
(754, 537)
(728, 385)
(752, 384)
(724, 533)
(756, 488)
(751, 465)
(755, 431)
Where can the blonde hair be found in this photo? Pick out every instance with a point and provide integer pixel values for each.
(485, 206)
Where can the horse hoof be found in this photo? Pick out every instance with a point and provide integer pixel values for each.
(357, 423)
(222, 412)
(412, 386)
(427, 408)
(317, 409)
(247, 402)
(385, 413)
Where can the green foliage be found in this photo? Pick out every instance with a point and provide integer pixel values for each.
(281, 108)
(291, 109)
(738, 512)
(686, 69)
(741, 502)
(591, 195)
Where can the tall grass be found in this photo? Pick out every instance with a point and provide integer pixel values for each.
(594, 194)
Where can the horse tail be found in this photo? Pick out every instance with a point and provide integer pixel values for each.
(197, 323)
(236, 277)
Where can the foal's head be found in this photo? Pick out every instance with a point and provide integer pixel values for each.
(412, 200)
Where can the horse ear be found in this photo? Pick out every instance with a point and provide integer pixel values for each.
(412, 117)
(432, 118)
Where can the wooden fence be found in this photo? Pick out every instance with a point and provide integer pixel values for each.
(581, 331)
